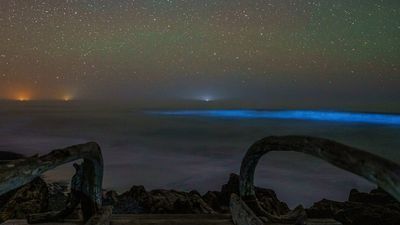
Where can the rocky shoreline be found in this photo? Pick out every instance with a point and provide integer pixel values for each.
(374, 208)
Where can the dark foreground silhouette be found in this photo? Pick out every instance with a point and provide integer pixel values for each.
(376, 207)
(24, 194)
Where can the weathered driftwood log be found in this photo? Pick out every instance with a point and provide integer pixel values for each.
(76, 197)
(241, 213)
(88, 179)
(384, 173)
(102, 218)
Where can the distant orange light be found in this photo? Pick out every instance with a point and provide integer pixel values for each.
(22, 99)
(67, 98)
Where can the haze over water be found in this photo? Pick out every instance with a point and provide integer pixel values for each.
(185, 153)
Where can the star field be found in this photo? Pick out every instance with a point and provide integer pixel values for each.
(127, 49)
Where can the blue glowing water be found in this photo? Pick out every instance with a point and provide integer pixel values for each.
(336, 116)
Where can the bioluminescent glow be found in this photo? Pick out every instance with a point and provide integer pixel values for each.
(370, 118)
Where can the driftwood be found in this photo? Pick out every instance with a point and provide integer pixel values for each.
(102, 218)
(86, 185)
(384, 173)
(241, 213)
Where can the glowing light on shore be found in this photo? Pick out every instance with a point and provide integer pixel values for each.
(335, 116)
(67, 96)
(22, 97)
(207, 98)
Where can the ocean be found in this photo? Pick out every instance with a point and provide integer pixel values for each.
(191, 152)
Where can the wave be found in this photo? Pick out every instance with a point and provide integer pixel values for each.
(335, 116)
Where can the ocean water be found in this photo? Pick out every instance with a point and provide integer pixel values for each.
(191, 152)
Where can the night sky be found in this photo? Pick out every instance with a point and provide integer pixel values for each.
(328, 53)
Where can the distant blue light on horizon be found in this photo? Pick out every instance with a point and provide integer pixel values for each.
(336, 116)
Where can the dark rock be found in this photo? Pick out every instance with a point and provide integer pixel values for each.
(136, 192)
(28, 199)
(270, 201)
(267, 197)
(9, 156)
(58, 196)
(368, 214)
(164, 201)
(110, 198)
(127, 206)
(376, 196)
(138, 200)
(232, 187)
(129, 202)
(325, 209)
(374, 208)
(213, 199)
